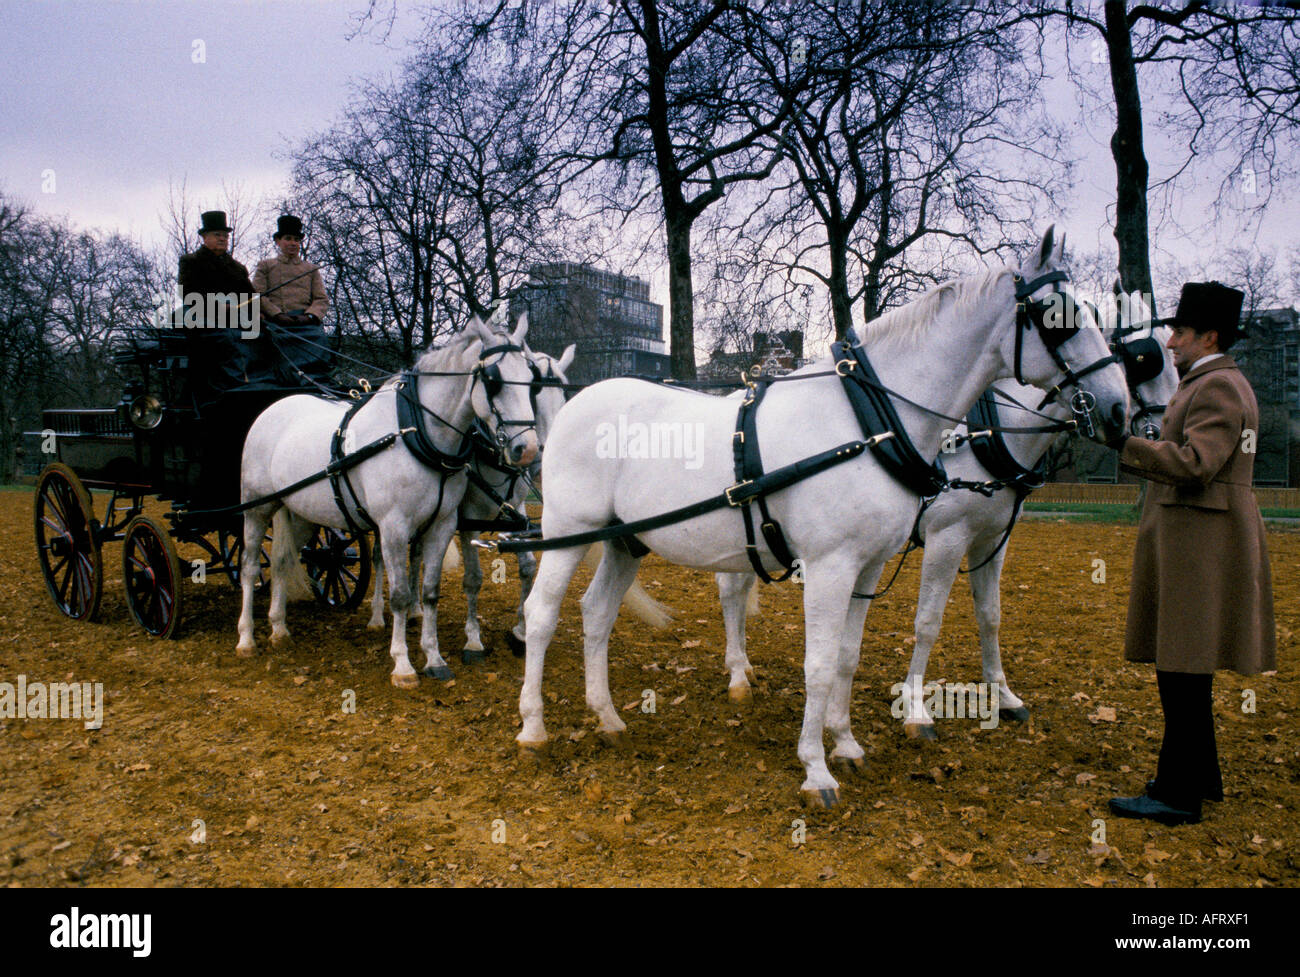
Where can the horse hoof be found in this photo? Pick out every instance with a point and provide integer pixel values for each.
(517, 647)
(375, 625)
(821, 800)
(408, 681)
(615, 738)
(1018, 715)
(920, 731)
(440, 672)
(851, 765)
(531, 750)
(741, 695)
(246, 652)
(281, 641)
(471, 656)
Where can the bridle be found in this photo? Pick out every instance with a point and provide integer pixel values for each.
(1144, 360)
(493, 383)
(1032, 314)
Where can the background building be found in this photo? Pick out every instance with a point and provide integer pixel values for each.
(617, 329)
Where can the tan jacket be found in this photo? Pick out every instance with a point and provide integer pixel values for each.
(1202, 593)
(305, 294)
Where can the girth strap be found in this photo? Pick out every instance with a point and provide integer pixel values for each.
(876, 414)
(992, 452)
(339, 475)
(749, 467)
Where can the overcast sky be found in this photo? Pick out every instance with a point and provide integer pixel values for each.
(112, 97)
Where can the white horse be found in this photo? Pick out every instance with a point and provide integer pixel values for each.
(843, 523)
(291, 440)
(974, 526)
(548, 397)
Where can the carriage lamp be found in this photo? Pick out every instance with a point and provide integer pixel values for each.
(146, 412)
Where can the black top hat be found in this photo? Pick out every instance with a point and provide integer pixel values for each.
(1203, 306)
(213, 220)
(287, 224)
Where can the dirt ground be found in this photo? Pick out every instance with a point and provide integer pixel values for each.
(214, 770)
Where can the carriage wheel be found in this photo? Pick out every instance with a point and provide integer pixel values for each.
(152, 575)
(338, 565)
(66, 543)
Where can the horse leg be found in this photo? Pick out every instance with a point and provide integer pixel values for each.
(255, 522)
(938, 571)
(828, 587)
(542, 612)
(376, 622)
(985, 588)
(284, 562)
(434, 545)
(515, 638)
(395, 552)
(600, 606)
(733, 593)
(848, 754)
(471, 583)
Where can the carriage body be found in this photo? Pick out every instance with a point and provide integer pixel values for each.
(174, 437)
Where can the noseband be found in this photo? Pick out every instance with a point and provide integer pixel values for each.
(1032, 314)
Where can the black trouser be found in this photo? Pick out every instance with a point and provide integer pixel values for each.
(1189, 758)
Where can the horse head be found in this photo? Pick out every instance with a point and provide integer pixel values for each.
(499, 395)
(1148, 363)
(1055, 343)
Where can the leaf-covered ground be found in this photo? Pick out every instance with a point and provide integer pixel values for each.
(214, 770)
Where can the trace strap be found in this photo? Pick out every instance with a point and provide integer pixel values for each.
(735, 495)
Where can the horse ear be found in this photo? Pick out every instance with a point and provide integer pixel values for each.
(566, 359)
(1045, 249)
(517, 337)
(473, 353)
(1060, 250)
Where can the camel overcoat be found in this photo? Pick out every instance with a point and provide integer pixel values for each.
(1202, 593)
(286, 286)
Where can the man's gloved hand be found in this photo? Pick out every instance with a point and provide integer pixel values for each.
(1117, 444)
(282, 319)
(309, 318)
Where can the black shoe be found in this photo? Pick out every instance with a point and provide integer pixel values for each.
(1216, 796)
(1152, 810)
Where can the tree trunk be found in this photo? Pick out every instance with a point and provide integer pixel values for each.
(841, 307)
(1131, 170)
(681, 311)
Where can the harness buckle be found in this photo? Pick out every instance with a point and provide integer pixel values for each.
(738, 434)
(847, 363)
(365, 384)
(877, 438)
(735, 488)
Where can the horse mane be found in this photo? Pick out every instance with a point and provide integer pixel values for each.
(441, 358)
(905, 325)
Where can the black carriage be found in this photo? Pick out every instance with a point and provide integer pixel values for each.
(176, 435)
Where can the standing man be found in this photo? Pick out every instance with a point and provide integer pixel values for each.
(1202, 596)
(294, 300)
(222, 359)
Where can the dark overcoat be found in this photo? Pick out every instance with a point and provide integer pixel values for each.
(206, 272)
(1202, 593)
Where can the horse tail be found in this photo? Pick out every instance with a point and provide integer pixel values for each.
(297, 586)
(642, 606)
